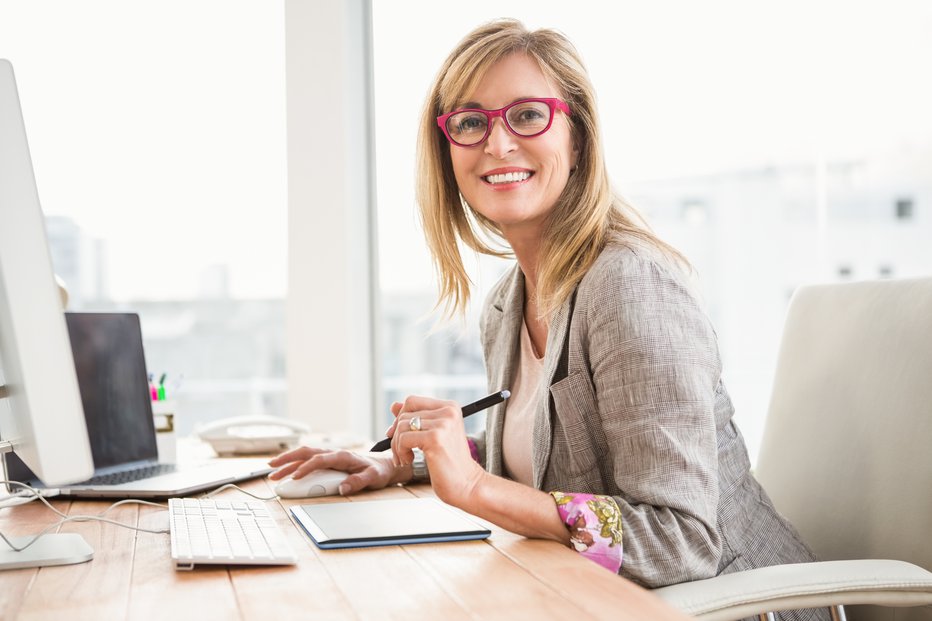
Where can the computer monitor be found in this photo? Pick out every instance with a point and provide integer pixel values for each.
(41, 418)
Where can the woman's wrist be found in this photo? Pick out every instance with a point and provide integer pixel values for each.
(513, 506)
(473, 493)
(397, 474)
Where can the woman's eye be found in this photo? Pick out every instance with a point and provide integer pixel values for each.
(468, 123)
(472, 123)
(530, 114)
(530, 117)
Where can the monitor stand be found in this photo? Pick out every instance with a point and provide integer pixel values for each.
(50, 549)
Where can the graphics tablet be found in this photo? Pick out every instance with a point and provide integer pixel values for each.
(385, 523)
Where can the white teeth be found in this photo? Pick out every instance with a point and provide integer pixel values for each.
(511, 177)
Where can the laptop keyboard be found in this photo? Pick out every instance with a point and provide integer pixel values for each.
(128, 476)
(222, 532)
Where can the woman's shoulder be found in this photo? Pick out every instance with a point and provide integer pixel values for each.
(647, 297)
(626, 256)
(631, 268)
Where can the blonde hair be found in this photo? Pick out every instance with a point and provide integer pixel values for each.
(586, 214)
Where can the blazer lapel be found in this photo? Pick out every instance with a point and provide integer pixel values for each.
(542, 439)
(503, 349)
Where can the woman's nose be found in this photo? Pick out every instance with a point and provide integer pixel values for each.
(500, 142)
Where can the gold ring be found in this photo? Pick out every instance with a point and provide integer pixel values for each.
(415, 423)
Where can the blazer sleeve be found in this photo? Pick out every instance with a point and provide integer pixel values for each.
(655, 369)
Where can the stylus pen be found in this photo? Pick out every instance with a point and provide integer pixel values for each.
(468, 410)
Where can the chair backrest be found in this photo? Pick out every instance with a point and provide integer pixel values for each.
(847, 448)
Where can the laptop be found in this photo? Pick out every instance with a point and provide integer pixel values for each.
(111, 369)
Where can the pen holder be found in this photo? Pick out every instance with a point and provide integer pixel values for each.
(163, 417)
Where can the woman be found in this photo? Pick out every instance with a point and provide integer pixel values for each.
(618, 410)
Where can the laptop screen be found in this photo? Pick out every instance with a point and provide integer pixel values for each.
(111, 368)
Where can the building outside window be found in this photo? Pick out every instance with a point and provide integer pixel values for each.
(904, 208)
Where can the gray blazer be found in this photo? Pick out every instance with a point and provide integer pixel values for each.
(633, 406)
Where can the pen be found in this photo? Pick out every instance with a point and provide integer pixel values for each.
(468, 410)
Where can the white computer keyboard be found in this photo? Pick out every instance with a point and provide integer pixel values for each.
(225, 532)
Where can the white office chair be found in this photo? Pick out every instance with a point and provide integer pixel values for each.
(847, 458)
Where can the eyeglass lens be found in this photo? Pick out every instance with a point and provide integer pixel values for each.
(525, 118)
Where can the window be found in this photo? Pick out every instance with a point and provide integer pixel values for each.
(157, 134)
(782, 153)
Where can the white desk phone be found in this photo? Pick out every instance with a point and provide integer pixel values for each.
(246, 435)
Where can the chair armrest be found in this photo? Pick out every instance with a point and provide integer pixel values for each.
(801, 585)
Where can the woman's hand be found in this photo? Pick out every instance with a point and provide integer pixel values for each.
(459, 481)
(365, 471)
(454, 475)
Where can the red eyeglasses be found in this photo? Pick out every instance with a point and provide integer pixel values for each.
(525, 118)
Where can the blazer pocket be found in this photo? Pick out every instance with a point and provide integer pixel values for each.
(575, 412)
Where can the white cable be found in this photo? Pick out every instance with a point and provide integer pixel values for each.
(236, 487)
(76, 518)
(37, 494)
(16, 500)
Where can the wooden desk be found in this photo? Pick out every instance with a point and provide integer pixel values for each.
(132, 576)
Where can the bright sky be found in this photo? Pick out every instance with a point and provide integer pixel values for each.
(159, 126)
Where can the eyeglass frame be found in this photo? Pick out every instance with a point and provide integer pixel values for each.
(553, 102)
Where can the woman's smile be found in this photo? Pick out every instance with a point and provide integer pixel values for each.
(508, 178)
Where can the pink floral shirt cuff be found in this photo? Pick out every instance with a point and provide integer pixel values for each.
(594, 523)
